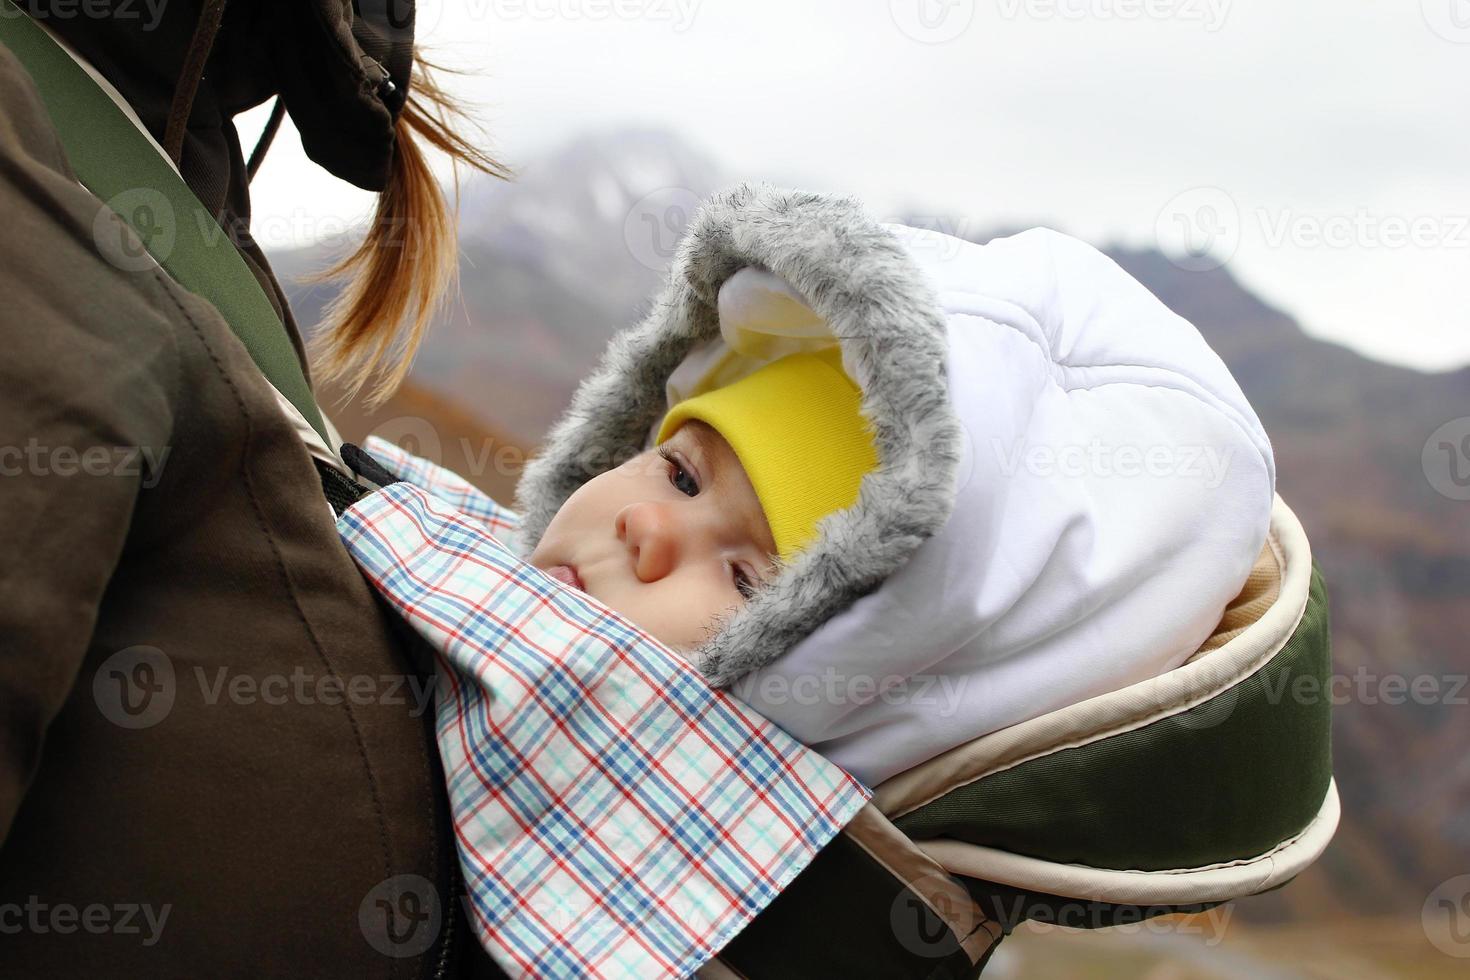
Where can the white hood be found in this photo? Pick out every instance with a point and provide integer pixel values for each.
(1071, 485)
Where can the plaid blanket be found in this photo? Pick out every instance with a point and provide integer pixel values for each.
(615, 816)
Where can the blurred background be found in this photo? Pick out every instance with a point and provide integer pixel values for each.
(1292, 178)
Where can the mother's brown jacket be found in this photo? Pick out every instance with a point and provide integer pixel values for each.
(214, 747)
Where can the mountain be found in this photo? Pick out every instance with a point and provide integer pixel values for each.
(556, 262)
(600, 218)
(551, 265)
(1349, 436)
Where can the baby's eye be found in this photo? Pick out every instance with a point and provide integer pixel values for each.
(677, 472)
(743, 584)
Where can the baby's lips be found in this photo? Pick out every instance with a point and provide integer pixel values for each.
(565, 573)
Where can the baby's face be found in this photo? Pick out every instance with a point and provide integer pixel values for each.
(668, 543)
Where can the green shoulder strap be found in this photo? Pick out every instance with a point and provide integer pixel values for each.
(112, 158)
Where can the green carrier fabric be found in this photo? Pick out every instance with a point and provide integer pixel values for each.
(1209, 783)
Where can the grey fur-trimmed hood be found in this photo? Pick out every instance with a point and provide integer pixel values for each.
(858, 278)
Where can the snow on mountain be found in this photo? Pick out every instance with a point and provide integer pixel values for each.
(601, 216)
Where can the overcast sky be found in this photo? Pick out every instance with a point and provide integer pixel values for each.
(1320, 148)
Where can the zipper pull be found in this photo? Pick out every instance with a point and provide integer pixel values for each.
(386, 86)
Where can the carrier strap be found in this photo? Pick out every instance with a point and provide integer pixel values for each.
(848, 915)
(112, 159)
(342, 491)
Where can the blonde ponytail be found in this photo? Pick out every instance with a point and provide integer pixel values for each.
(405, 266)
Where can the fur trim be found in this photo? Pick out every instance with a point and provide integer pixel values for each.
(893, 334)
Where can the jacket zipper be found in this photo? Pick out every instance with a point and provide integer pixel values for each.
(450, 912)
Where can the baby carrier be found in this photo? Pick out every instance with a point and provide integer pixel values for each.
(1209, 783)
(1173, 795)
(1206, 781)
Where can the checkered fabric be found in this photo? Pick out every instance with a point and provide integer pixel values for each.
(615, 816)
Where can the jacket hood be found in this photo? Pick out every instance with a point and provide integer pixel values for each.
(1070, 489)
(327, 59)
(830, 251)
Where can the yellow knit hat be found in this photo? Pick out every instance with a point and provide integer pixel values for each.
(795, 424)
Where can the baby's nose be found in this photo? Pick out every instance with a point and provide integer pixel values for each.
(653, 534)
